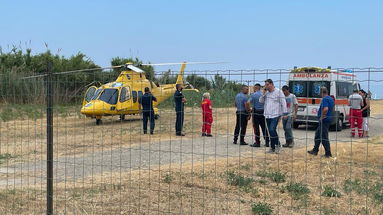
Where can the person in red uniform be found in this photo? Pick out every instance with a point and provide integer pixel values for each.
(207, 115)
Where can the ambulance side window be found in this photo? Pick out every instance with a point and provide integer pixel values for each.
(344, 89)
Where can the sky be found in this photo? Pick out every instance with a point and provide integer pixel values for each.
(246, 34)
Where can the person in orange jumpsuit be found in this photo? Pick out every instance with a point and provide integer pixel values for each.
(207, 115)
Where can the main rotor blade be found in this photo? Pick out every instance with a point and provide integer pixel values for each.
(136, 69)
(168, 64)
(73, 71)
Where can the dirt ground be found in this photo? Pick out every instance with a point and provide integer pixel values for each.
(207, 183)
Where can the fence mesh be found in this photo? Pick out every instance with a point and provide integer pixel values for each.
(114, 168)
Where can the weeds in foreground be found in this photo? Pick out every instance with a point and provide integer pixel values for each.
(275, 176)
(261, 208)
(330, 192)
(239, 180)
(297, 191)
(167, 178)
(4, 157)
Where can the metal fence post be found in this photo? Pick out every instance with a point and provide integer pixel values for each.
(49, 98)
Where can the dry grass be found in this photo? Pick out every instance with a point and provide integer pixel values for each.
(203, 187)
(73, 134)
(26, 139)
(376, 107)
(198, 188)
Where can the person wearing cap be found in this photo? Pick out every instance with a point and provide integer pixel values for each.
(258, 117)
(355, 101)
(146, 101)
(207, 115)
(179, 100)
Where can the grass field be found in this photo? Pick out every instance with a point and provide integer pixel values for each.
(24, 139)
(297, 184)
(290, 183)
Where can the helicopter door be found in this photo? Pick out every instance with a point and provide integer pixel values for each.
(89, 94)
(124, 99)
(136, 104)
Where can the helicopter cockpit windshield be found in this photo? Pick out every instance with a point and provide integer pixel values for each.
(96, 94)
(109, 96)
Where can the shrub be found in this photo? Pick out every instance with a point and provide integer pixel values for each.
(276, 176)
(330, 192)
(167, 178)
(297, 190)
(235, 179)
(261, 208)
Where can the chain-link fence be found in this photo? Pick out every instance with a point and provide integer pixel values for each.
(92, 156)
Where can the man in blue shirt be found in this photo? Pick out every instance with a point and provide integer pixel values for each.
(147, 110)
(258, 117)
(179, 101)
(324, 115)
(242, 115)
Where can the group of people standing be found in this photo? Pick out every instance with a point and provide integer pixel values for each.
(266, 106)
(146, 102)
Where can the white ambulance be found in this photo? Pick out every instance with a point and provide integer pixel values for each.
(306, 82)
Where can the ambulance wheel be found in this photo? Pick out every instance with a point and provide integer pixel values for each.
(338, 126)
(156, 116)
(98, 121)
(295, 125)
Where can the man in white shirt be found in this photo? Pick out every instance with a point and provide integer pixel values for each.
(275, 107)
(355, 101)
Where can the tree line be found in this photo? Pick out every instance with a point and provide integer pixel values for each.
(17, 64)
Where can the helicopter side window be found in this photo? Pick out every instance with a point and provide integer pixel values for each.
(90, 93)
(134, 94)
(109, 96)
(96, 94)
(125, 94)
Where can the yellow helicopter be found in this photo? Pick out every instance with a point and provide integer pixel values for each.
(121, 97)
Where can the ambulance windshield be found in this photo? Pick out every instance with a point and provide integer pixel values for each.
(309, 89)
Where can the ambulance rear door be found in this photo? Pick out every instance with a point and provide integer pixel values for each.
(309, 98)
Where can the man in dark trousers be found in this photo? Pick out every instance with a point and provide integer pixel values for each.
(258, 117)
(242, 115)
(147, 110)
(179, 101)
(324, 116)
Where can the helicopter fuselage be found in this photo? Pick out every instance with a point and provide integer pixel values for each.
(121, 97)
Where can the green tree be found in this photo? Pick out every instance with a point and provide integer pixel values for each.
(167, 78)
(17, 63)
(219, 82)
(199, 82)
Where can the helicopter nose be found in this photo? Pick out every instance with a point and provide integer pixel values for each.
(94, 108)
